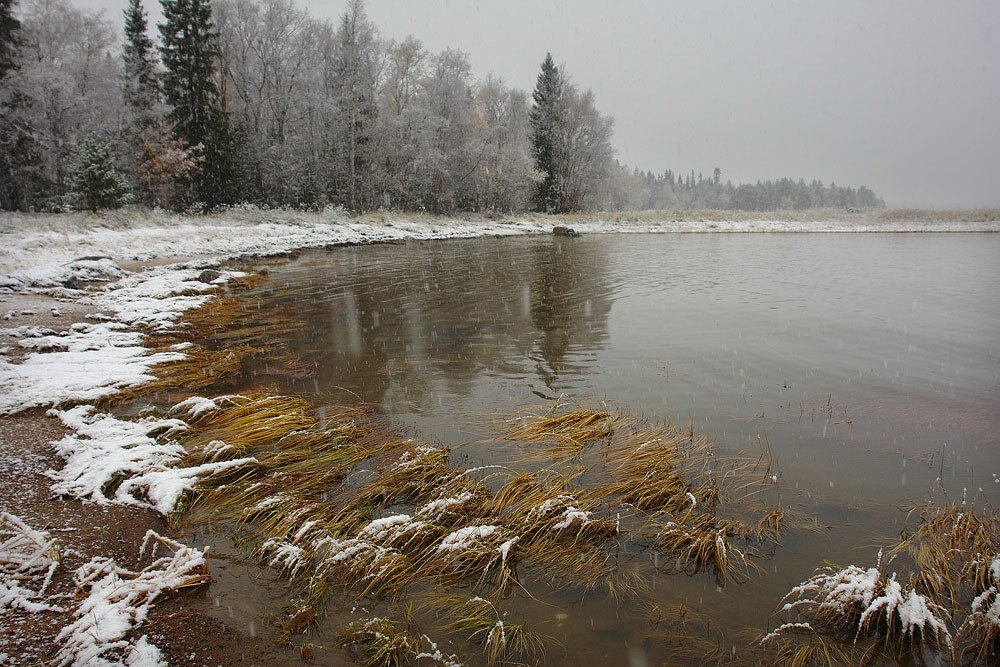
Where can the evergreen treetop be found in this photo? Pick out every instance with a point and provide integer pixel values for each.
(141, 85)
(544, 117)
(9, 27)
(189, 49)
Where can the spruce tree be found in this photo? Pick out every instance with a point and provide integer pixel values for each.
(94, 181)
(544, 116)
(189, 50)
(141, 85)
(9, 28)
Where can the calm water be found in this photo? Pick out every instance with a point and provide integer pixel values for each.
(871, 363)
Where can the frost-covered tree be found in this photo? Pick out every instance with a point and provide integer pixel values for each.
(352, 81)
(272, 63)
(453, 150)
(545, 120)
(505, 175)
(584, 155)
(64, 88)
(94, 182)
(404, 127)
(10, 137)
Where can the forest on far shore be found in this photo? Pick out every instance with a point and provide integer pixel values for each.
(257, 102)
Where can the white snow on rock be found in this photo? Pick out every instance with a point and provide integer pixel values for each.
(118, 601)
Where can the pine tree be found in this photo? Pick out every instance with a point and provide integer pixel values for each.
(141, 85)
(354, 93)
(544, 118)
(9, 27)
(189, 50)
(94, 181)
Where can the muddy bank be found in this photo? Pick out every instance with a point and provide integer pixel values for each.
(185, 635)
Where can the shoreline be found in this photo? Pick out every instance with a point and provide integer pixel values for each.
(30, 256)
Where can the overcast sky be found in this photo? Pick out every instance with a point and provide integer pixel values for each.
(902, 96)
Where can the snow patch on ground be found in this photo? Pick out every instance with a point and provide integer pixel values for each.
(94, 363)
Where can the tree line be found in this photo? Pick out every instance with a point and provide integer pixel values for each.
(256, 101)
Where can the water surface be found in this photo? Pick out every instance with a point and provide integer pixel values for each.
(869, 362)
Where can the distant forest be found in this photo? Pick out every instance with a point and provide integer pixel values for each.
(255, 101)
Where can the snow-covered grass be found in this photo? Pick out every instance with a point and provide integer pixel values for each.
(28, 557)
(381, 642)
(118, 600)
(128, 462)
(948, 601)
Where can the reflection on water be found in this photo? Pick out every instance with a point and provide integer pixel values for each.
(404, 327)
(870, 363)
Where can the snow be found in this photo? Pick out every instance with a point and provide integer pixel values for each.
(782, 628)
(989, 612)
(912, 609)
(27, 556)
(387, 528)
(157, 298)
(851, 585)
(103, 448)
(283, 555)
(465, 538)
(119, 600)
(94, 363)
(853, 589)
(505, 548)
(196, 407)
(436, 509)
(25, 331)
(162, 490)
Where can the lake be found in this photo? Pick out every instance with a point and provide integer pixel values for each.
(869, 363)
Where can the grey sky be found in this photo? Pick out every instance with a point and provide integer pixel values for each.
(902, 96)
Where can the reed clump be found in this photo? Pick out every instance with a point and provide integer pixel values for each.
(703, 541)
(380, 642)
(485, 623)
(942, 597)
(341, 503)
(566, 432)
